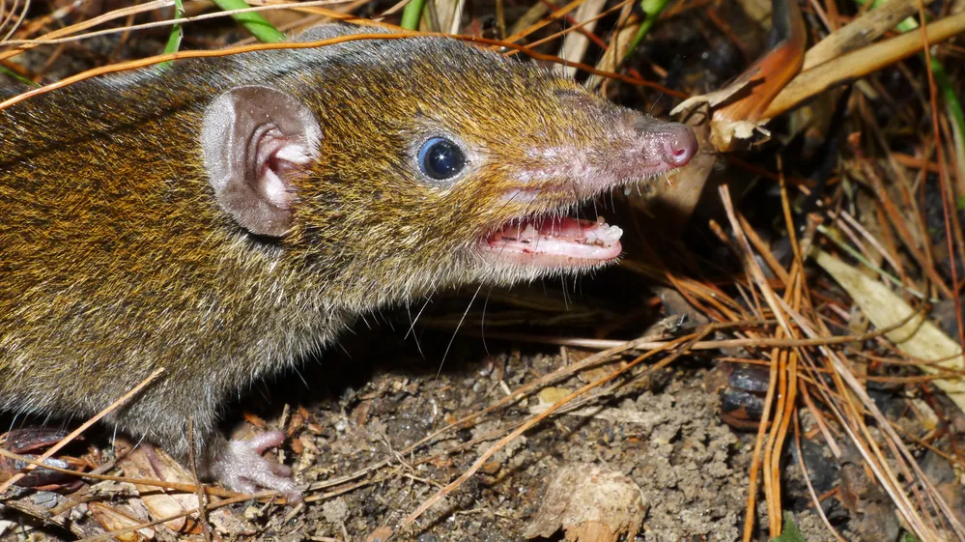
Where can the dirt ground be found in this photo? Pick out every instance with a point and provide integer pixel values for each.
(365, 402)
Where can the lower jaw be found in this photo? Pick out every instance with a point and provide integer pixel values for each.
(554, 244)
(549, 262)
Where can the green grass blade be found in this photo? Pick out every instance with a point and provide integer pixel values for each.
(260, 28)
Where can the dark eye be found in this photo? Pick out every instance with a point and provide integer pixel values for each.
(440, 159)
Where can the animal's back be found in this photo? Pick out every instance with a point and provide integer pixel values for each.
(107, 243)
(116, 260)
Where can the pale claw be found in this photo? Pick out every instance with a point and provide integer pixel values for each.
(241, 467)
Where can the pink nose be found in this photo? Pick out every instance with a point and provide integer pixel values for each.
(679, 146)
(672, 143)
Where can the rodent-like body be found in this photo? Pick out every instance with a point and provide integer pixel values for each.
(117, 257)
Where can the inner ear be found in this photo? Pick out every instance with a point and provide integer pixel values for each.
(255, 140)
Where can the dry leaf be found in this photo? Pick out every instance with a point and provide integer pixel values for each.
(575, 45)
(918, 338)
(551, 395)
(112, 519)
(140, 464)
(159, 504)
(591, 504)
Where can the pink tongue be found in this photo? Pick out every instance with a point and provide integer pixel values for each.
(558, 237)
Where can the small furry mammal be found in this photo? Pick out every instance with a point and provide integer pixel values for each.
(225, 218)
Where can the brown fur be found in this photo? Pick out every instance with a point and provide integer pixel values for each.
(115, 258)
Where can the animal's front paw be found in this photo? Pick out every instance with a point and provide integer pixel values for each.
(241, 468)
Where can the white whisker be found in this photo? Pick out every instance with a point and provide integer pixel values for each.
(458, 326)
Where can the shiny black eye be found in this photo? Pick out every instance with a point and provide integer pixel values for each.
(441, 159)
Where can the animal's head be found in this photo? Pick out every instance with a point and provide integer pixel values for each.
(423, 162)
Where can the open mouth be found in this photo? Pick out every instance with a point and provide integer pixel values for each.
(573, 177)
(555, 241)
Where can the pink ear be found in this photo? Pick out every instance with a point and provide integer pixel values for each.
(254, 139)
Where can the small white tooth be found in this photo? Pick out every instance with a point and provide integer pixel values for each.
(612, 234)
(604, 235)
